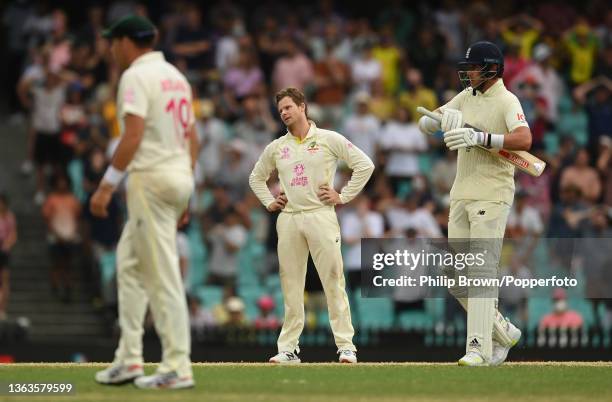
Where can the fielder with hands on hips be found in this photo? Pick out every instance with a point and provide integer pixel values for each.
(483, 189)
(306, 159)
(158, 148)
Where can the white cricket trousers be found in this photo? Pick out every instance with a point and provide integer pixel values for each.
(316, 232)
(484, 222)
(148, 269)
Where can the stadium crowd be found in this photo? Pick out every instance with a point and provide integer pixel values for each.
(364, 76)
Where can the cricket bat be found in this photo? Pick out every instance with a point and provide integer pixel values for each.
(521, 159)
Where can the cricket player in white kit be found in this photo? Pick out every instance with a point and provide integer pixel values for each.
(157, 148)
(306, 159)
(483, 190)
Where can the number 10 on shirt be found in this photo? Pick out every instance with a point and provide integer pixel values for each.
(180, 110)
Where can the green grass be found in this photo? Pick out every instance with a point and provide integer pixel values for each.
(335, 382)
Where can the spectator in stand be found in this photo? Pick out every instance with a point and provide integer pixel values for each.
(551, 87)
(235, 311)
(567, 214)
(293, 69)
(521, 30)
(581, 45)
(236, 166)
(525, 227)
(255, 128)
(402, 142)
(562, 316)
(227, 239)
(443, 176)
(192, 45)
(535, 107)
(8, 238)
(596, 95)
(200, 318)
(583, 176)
(416, 93)
(266, 318)
(74, 121)
(513, 299)
(381, 104)
(427, 53)
(596, 262)
(362, 128)
(101, 235)
(366, 70)
(359, 222)
(331, 83)
(390, 57)
(244, 77)
(47, 102)
(604, 165)
(61, 211)
(212, 135)
(411, 216)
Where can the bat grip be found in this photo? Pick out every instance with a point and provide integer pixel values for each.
(436, 116)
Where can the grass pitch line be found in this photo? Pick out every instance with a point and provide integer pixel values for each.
(365, 364)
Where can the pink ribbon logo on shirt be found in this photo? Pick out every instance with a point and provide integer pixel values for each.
(298, 176)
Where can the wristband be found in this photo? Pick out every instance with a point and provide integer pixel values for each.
(496, 141)
(113, 176)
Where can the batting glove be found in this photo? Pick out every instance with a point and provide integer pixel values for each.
(463, 137)
(451, 119)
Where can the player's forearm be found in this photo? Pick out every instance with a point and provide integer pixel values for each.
(126, 150)
(261, 190)
(361, 174)
(518, 140)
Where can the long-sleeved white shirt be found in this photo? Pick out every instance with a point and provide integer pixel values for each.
(304, 165)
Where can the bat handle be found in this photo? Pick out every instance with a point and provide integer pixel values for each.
(429, 113)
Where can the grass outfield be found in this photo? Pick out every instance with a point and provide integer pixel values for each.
(335, 382)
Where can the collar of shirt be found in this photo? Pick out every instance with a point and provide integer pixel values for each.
(310, 133)
(147, 57)
(493, 89)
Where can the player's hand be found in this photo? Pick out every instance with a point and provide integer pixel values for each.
(328, 195)
(183, 220)
(452, 119)
(462, 138)
(100, 200)
(279, 203)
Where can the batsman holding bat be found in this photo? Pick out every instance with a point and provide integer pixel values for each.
(158, 147)
(483, 190)
(306, 159)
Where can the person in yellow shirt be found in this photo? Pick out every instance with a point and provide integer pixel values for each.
(582, 46)
(416, 94)
(523, 31)
(306, 158)
(390, 57)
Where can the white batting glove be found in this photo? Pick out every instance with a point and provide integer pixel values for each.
(451, 119)
(463, 137)
(429, 126)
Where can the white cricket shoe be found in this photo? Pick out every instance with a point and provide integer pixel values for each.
(169, 380)
(500, 351)
(285, 358)
(347, 356)
(473, 359)
(118, 374)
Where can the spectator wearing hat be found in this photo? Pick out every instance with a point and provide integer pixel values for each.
(266, 318)
(561, 316)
